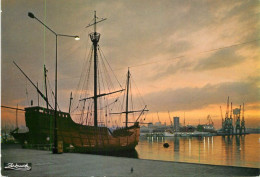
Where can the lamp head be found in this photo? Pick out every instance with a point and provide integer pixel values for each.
(30, 14)
(77, 38)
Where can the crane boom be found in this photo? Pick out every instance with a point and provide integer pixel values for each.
(210, 120)
(221, 114)
(227, 110)
(158, 117)
(231, 110)
(243, 112)
(170, 118)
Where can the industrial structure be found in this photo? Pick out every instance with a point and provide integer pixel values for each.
(243, 124)
(233, 120)
(236, 113)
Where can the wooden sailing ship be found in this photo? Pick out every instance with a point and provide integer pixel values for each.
(86, 135)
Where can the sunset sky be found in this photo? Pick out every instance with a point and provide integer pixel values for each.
(185, 56)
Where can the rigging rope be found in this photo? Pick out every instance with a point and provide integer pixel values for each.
(110, 67)
(52, 93)
(178, 57)
(142, 102)
(87, 116)
(84, 78)
(87, 76)
(104, 83)
(108, 80)
(82, 69)
(52, 98)
(131, 98)
(82, 112)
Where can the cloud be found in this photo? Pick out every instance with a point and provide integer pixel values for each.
(199, 97)
(254, 106)
(220, 59)
(181, 64)
(135, 32)
(225, 58)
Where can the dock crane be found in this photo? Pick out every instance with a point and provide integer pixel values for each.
(228, 125)
(223, 125)
(238, 127)
(158, 117)
(230, 122)
(170, 118)
(243, 127)
(227, 110)
(226, 117)
(210, 120)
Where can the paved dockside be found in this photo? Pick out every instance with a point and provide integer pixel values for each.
(44, 163)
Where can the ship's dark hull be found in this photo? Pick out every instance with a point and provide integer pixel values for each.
(81, 138)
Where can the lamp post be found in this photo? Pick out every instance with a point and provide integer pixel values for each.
(55, 139)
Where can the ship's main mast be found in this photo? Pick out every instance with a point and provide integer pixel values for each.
(95, 39)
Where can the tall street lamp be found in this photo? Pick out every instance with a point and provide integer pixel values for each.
(31, 15)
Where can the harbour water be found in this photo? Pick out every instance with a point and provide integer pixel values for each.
(240, 151)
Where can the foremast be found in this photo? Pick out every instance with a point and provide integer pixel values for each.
(45, 84)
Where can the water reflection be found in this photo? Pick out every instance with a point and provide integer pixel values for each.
(242, 147)
(235, 149)
(189, 147)
(177, 144)
(228, 150)
(238, 141)
(204, 144)
(212, 144)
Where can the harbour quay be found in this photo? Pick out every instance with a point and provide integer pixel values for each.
(44, 163)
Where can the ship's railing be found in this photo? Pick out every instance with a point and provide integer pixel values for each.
(47, 111)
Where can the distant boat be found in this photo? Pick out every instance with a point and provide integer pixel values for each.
(186, 134)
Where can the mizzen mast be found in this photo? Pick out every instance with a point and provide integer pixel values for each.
(127, 92)
(126, 112)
